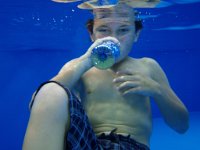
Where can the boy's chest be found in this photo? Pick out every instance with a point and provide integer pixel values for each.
(99, 85)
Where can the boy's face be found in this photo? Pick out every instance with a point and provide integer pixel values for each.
(118, 23)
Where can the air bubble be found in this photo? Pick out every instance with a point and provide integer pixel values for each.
(54, 20)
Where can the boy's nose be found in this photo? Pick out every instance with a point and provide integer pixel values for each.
(114, 34)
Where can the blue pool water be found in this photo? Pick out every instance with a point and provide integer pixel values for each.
(38, 37)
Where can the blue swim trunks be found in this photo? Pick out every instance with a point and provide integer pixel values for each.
(81, 135)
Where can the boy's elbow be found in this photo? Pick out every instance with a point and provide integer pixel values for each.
(183, 128)
(179, 123)
(183, 124)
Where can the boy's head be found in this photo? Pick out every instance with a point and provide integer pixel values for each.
(118, 22)
(120, 10)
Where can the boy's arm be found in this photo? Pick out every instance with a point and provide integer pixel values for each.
(72, 71)
(173, 110)
(155, 85)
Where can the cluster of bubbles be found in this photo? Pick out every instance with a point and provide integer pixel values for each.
(146, 15)
(37, 20)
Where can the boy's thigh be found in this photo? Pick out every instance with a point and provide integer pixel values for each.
(49, 118)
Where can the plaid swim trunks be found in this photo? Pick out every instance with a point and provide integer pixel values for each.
(81, 136)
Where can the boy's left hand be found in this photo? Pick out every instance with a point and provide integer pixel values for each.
(129, 82)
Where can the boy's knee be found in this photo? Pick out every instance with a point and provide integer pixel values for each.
(51, 103)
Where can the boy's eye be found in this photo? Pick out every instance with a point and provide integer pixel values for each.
(102, 30)
(123, 30)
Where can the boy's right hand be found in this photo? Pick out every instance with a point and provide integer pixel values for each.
(98, 42)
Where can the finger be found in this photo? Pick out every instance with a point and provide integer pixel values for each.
(132, 91)
(122, 79)
(126, 78)
(109, 38)
(127, 85)
(115, 40)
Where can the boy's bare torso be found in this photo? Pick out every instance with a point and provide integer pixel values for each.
(107, 108)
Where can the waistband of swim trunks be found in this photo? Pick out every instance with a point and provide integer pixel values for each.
(116, 137)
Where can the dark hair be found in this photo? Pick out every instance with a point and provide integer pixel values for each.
(90, 24)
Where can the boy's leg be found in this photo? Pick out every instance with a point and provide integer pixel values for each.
(49, 119)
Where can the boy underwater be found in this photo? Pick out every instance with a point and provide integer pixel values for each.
(84, 108)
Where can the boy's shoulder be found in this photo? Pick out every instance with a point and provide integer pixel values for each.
(146, 64)
(146, 61)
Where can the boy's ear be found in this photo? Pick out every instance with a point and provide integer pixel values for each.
(92, 37)
(137, 35)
